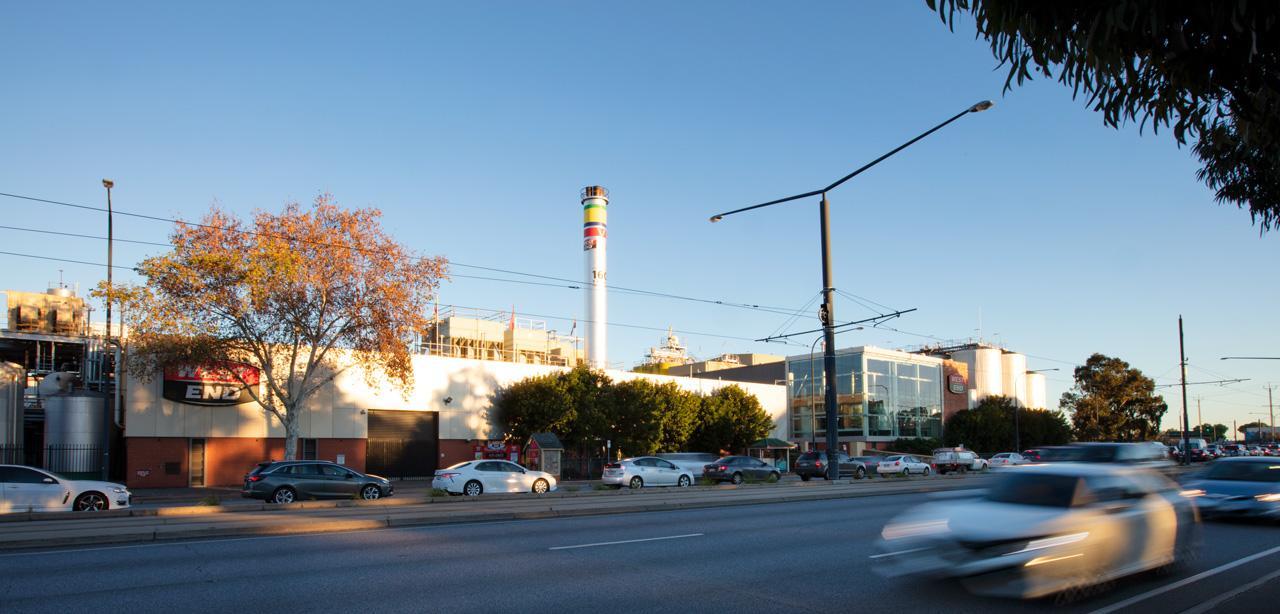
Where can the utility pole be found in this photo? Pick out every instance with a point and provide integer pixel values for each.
(1182, 361)
(1271, 430)
(1199, 420)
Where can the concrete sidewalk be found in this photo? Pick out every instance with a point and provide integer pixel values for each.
(46, 531)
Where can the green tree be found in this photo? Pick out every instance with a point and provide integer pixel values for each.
(1206, 69)
(1112, 401)
(1212, 432)
(635, 417)
(729, 420)
(1243, 428)
(540, 404)
(989, 427)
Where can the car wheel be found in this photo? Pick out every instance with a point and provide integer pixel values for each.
(804, 477)
(636, 482)
(963, 469)
(91, 502)
(737, 478)
(925, 472)
(284, 495)
(775, 476)
(540, 486)
(859, 473)
(684, 481)
(906, 471)
(370, 492)
(472, 489)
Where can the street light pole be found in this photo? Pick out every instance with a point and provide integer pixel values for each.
(827, 310)
(1182, 362)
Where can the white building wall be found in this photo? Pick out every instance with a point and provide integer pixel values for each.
(338, 409)
(1013, 377)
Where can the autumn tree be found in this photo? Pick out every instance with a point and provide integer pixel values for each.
(1205, 69)
(302, 295)
(1112, 401)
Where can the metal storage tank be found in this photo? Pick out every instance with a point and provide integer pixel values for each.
(1035, 391)
(74, 421)
(984, 372)
(1014, 376)
(13, 379)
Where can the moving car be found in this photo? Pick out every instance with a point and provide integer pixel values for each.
(959, 460)
(1135, 453)
(645, 471)
(1243, 486)
(289, 481)
(737, 469)
(693, 462)
(473, 478)
(813, 464)
(903, 465)
(1008, 459)
(1046, 529)
(27, 489)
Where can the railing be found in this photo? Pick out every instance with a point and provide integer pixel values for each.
(73, 460)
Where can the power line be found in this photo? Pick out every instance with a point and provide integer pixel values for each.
(72, 234)
(622, 289)
(127, 268)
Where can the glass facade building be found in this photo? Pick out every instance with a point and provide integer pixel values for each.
(881, 395)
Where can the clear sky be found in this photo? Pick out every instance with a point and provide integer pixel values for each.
(472, 126)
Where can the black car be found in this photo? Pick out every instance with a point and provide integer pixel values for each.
(813, 464)
(736, 469)
(289, 481)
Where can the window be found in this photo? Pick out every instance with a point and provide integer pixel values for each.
(508, 467)
(488, 466)
(21, 475)
(644, 462)
(662, 464)
(334, 471)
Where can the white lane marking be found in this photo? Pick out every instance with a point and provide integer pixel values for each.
(1185, 581)
(625, 541)
(907, 551)
(1213, 603)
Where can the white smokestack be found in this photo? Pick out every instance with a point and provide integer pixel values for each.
(595, 202)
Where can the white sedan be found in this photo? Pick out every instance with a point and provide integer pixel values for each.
(903, 465)
(1008, 459)
(1045, 529)
(473, 478)
(27, 489)
(646, 471)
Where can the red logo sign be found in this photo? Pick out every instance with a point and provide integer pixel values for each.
(218, 384)
(955, 383)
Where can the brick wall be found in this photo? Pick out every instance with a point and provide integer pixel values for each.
(455, 451)
(145, 459)
(227, 459)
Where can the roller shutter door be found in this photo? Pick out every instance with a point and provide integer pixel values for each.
(403, 444)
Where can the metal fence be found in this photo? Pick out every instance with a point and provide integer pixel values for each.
(74, 460)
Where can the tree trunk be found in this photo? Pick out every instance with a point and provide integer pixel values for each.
(291, 437)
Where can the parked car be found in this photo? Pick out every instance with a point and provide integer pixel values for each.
(903, 465)
(289, 481)
(28, 489)
(1232, 450)
(645, 471)
(1241, 486)
(960, 460)
(693, 462)
(736, 469)
(1043, 529)
(476, 477)
(1008, 459)
(1032, 455)
(813, 464)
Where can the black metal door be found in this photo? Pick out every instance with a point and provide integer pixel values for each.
(402, 444)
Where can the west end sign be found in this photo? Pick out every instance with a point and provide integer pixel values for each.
(222, 384)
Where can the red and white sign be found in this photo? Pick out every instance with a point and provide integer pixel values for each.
(217, 384)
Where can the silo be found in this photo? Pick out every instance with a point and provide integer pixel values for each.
(73, 431)
(595, 203)
(986, 372)
(1014, 377)
(1036, 397)
(13, 378)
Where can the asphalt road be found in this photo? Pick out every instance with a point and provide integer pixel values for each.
(805, 556)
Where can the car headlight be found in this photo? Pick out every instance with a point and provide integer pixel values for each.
(1269, 498)
(119, 490)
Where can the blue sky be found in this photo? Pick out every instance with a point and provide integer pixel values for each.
(473, 128)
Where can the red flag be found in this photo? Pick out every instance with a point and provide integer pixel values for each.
(513, 317)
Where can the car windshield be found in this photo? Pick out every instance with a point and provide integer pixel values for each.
(1035, 489)
(1244, 472)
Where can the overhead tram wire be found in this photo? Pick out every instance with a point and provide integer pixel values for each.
(536, 315)
(622, 289)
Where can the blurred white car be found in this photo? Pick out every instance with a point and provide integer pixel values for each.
(693, 462)
(27, 489)
(473, 478)
(903, 465)
(1008, 459)
(645, 471)
(1046, 529)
